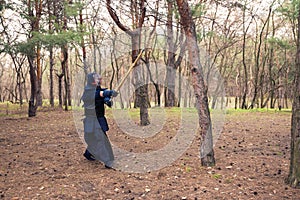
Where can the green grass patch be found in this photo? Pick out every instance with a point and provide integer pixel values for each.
(233, 111)
(217, 176)
(188, 169)
(12, 106)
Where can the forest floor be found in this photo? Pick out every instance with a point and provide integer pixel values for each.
(41, 158)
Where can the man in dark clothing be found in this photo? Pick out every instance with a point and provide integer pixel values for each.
(95, 124)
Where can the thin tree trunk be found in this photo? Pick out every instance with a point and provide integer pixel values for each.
(34, 70)
(51, 59)
(156, 86)
(60, 76)
(179, 86)
(171, 72)
(258, 64)
(200, 90)
(32, 107)
(39, 97)
(64, 54)
(271, 63)
(85, 67)
(65, 67)
(68, 82)
(113, 55)
(246, 89)
(51, 77)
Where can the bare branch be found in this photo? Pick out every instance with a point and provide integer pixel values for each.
(115, 17)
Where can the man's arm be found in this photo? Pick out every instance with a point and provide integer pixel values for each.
(108, 93)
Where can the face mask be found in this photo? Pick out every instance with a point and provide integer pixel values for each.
(97, 78)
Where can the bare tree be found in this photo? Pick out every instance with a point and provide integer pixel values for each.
(138, 11)
(18, 61)
(200, 90)
(260, 62)
(245, 31)
(174, 41)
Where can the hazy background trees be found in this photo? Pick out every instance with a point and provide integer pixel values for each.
(247, 41)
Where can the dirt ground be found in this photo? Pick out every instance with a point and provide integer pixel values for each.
(41, 158)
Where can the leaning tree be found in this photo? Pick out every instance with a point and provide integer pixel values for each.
(138, 9)
(200, 89)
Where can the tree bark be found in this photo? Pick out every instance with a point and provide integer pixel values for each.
(85, 67)
(141, 89)
(294, 172)
(65, 74)
(65, 67)
(51, 59)
(51, 77)
(32, 107)
(200, 89)
(34, 70)
(39, 97)
(245, 90)
(60, 76)
(171, 71)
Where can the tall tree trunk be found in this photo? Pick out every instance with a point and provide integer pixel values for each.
(179, 86)
(68, 81)
(200, 90)
(65, 72)
(32, 107)
(39, 97)
(171, 72)
(85, 67)
(65, 67)
(34, 67)
(51, 59)
(60, 101)
(285, 81)
(51, 77)
(294, 173)
(157, 88)
(245, 84)
(172, 62)
(149, 53)
(141, 89)
(113, 55)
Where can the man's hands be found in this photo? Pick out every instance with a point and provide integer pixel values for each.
(108, 102)
(110, 93)
(107, 94)
(114, 93)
